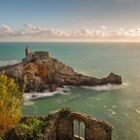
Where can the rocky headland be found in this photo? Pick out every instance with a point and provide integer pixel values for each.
(39, 71)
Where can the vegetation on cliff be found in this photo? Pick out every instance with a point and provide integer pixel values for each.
(10, 103)
(32, 128)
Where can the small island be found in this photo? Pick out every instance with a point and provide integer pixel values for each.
(39, 71)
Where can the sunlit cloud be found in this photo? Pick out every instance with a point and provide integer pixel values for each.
(121, 28)
(31, 32)
(103, 27)
(5, 29)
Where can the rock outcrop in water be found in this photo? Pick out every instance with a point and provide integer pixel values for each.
(39, 72)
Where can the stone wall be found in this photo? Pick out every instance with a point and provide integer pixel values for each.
(94, 129)
(36, 55)
(61, 127)
(64, 129)
(40, 55)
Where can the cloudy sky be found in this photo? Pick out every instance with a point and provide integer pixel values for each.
(69, 20)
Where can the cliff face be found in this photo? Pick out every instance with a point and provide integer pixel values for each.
(39, 74)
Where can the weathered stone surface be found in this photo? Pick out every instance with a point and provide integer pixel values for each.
(61, 127)
(40, 73)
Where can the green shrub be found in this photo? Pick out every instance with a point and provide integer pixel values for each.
(50, 116)
(64, 111)
(32, 128)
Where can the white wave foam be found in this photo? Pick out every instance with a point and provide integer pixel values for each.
(112, 112)
(114, 106)
(36, 95)
(106, 87)
(28, 103)
(7, 62)
(104, 106)
(138, 111)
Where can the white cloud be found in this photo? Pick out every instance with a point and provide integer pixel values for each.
(5, 29)
(32, 33)
(103, 27)
(85, 33)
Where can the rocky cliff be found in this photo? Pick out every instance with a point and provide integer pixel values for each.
(39, 74)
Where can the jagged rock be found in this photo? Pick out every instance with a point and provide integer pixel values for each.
(53, 87)
(40, 73)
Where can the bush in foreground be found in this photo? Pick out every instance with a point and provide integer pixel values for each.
(10, 103)
(32, 128)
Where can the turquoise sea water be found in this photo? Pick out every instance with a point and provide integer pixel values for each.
(118, 105)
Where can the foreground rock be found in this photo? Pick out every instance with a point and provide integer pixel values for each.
(38, 71)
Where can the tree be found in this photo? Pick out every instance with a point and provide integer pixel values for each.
(10, 103)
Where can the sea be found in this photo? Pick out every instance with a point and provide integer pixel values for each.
(119, 105)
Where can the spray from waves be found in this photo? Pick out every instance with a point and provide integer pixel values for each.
(107, 87)
(29, 97)
(7, 62)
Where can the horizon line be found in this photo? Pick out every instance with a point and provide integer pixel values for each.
(70, 41)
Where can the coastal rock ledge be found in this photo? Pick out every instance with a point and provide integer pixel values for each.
(39, 71)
